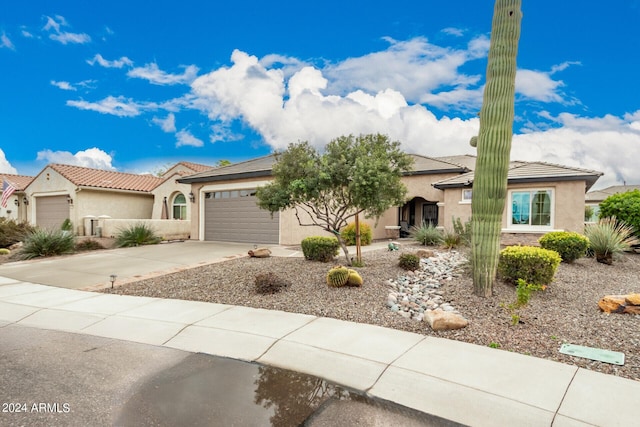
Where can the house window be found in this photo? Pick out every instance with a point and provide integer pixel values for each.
(466, 195)
(531, 208)
(180, 207)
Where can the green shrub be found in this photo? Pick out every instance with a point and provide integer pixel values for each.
(338, 277)
(625, 207)
(45, 242)
(463, 230)
(569, 245)
(88, 245)
(67, 225)
(609, 238)
(319, 248)
(270, 283)
(409, 262)
(426, 234)
(4, 251)
(12, 232)
(534, 265)
(348, 234)
(451, 239)
(136, 235)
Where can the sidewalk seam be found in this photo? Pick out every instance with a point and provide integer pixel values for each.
(284, 336)
(391, 363)
(564, 395)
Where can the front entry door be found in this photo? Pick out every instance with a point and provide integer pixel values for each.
(430, 214)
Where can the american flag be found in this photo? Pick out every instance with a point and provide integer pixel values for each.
(7, 190)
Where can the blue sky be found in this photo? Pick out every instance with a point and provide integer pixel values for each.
(133, 86)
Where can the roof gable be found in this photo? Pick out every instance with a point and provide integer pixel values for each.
(97, 178)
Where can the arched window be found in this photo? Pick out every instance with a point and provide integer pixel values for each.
(179, 207)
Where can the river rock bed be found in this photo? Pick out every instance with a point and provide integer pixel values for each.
(415, 292)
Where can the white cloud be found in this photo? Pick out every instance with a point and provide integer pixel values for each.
(54, 27)
(155, 75)
(116, 63)
(540, 86)
(249, 91)
(90, 158)
(63, 85)
(117, 106)
(5, 166)
(6, 42)
(607, 144)
(415, 67)
(186, 138)
(167, 124)
(453, 31)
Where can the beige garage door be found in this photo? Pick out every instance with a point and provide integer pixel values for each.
(233, 216)
(51, 211)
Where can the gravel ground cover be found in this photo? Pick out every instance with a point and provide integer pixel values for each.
(566, 312)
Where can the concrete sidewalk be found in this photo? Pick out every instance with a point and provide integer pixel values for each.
(461, 382)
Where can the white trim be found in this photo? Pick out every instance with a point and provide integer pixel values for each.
(464, 200)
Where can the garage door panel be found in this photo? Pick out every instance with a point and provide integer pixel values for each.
(239, 219)
(51, 211)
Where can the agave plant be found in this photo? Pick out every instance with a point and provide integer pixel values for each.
(137, 235)
(43, 242)
(427, 234)
(609, 238)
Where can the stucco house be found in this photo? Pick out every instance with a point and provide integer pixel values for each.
(17, 203)
(86, 196)
(594, 198)
(541, 197)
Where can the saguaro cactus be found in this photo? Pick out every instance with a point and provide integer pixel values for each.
(494, 145)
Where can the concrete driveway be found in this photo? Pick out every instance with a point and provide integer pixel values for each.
(91, 270)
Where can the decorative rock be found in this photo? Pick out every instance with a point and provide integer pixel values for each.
(618, 304)
(260, 253)
(425, 253)
(633, 299)
(443, 320)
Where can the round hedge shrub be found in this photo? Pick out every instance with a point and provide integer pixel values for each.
(569, 245)
(348, 234)
(531, 264)
(409, 262)
(625, 207)
(319, 248)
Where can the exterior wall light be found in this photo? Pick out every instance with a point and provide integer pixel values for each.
(192, 197)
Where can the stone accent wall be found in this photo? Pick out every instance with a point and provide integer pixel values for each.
(524, 239)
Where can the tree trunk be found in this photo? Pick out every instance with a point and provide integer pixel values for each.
(494, 145)
(343, 245)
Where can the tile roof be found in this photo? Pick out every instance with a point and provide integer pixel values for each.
(19, 181)
(530, 172)
(261, 167)
(196, 167)
(600, 195)
(97, 178)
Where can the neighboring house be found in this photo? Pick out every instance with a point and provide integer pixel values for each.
(594, 198)
(17, 203)
(541, 197)
(61, 191)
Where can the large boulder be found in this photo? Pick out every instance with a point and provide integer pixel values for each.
(260, 253)
(441, 320)
(620, 304)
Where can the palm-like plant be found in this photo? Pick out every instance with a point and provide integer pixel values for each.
(609, 238)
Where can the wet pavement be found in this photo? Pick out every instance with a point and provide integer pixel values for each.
(61, 378)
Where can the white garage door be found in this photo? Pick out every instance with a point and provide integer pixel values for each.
(51, 211)
(234, 216)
